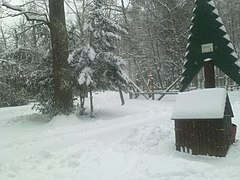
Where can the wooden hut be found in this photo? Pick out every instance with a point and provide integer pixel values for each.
(203, 124)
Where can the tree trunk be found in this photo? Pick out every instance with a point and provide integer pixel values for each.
(16, 38)
(34, 35)
(92, 114)
(4, 38)
(61, 69)
(121, 95)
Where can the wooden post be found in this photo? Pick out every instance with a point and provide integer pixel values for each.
(144, 80)
(209, 73)
(170, 87)
(135, 86)
(92, 115)
(152, 88)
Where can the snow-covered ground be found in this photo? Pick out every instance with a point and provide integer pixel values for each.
(131, 142)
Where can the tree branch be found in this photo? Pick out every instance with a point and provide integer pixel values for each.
(30, 16)
(29, 27)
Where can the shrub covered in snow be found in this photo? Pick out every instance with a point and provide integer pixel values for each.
(10, 96)
(12, 79)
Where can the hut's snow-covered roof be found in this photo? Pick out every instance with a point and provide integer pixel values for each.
(200, 104)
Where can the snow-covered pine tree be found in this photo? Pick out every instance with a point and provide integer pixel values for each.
(12, 91)
(96, 65)
(82, 61)
(40, 81)
(104, 35)
(15, 66)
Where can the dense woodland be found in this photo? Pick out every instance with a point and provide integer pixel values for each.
(51, 55)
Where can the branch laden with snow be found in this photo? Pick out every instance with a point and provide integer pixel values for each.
(30, 16)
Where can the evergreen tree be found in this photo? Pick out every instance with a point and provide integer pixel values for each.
(104, 35)
(96, 65)
(12, 80)
(40, 83)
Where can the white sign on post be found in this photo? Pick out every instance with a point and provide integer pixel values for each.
(206, 48)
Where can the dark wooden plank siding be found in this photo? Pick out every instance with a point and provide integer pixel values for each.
(204, 137)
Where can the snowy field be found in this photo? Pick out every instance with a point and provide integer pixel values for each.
(131, 142)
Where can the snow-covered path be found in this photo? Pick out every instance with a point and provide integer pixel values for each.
(131, 142)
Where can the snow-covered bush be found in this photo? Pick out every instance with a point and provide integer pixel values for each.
(41, 83)
(10, 96)
(12, 81)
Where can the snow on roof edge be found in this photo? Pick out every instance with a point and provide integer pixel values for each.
(200, 104)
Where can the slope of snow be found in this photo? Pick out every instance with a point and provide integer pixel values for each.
(131, 142)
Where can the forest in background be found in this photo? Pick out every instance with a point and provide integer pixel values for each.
(155, 43)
